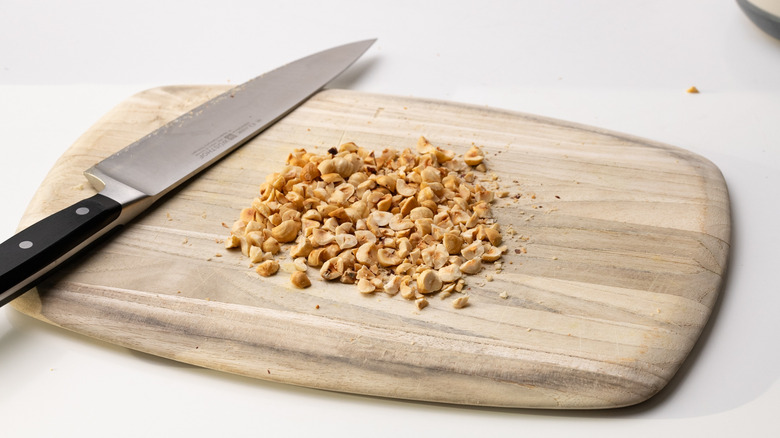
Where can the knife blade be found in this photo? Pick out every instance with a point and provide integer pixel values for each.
(134, 178)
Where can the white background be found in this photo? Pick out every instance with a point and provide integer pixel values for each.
(620, 65)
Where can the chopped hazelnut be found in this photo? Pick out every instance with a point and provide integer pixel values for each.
(473, 157)
(271, 245)
(332, 268)
(367, 253)
(300, 280)
(346, 241)
(428, 282)
(388, 257)
(300, 264)
(398, 222)
(408, 288)
(232, 242)
(302, 248)
(449, 273)
(492, 254)
(452, 243)
(321, 237)
(460, 302)
(472, 266)
(404, 189)
(493, 236)
(286, 231)
(420, 213)
(392, 285)
(267, 268)
(365, 286)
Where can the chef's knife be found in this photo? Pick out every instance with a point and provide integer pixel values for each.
(132, 179)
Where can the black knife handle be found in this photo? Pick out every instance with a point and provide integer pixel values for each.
(32, 252)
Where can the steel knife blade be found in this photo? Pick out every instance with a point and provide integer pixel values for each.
(134, 178)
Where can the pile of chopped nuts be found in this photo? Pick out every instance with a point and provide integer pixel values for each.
(413, 223)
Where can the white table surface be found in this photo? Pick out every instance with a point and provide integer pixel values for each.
(620, 65)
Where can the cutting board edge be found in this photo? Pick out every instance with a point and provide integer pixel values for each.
(193, 350)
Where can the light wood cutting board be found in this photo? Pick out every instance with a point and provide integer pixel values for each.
(618, 257)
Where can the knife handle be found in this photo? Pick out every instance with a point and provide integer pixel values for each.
(31, 253)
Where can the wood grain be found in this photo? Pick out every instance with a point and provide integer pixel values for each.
(625, 242)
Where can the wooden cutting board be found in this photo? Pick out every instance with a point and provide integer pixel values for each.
(618, 257)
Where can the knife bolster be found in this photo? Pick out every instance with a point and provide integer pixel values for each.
(133, 201)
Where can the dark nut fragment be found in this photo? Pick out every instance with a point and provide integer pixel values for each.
(348, 277)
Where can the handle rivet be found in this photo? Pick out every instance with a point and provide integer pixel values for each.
(81, 211)
(25, 244)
